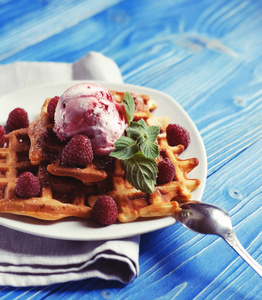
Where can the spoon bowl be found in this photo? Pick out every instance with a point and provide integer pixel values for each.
(209, 219)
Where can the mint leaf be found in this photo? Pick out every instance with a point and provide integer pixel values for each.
(133, 133)
(152, 132)
(141, 123)
(149, 149)
(136, 129)
(141, 172)
(125, 148)
(129, 105)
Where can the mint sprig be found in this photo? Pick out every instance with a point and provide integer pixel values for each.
(141, 172)
(138, 150)
(145, 137)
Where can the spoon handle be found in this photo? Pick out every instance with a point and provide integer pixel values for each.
(232, 240)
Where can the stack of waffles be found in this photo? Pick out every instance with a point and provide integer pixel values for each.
(72, 192)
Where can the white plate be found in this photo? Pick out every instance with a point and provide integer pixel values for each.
(71, 229)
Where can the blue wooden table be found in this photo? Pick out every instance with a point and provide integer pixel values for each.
(207, 55)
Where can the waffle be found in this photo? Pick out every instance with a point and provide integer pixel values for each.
(62, 197)
(166, 198)
(59, 197)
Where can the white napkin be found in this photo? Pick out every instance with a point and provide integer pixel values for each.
(27, 260)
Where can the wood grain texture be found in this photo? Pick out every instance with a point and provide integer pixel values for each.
(206, 55)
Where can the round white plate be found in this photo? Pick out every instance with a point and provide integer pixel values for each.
(71, 229)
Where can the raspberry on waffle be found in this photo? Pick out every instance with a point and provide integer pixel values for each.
(166, 198)
(46, 146)
(59, 197)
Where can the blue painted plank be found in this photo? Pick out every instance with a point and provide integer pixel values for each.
(41, 20)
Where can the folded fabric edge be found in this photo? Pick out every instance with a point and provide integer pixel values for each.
(104, 267)
(96, 66)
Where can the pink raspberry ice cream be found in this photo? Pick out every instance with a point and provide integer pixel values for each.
(89, 109)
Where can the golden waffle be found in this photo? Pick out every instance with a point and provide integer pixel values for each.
(46, 146)
(62, 197)
(166, 198)
(59, 197)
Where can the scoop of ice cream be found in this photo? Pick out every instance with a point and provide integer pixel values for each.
(89, 109)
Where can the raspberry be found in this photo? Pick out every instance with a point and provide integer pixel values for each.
(17, 119)
(2, 136)
(177, 135)
(78, 152)
(166, 171)
(51, 107)
(27, 185)
(105, 210)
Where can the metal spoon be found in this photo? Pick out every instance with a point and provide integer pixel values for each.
(210, 219)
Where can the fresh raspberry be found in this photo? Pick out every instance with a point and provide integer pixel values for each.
(27, 185)
(166, 171)
(51, 107)
(18, 118)
(78, 152)
(105, 210)
(177, 135)
(2, 136)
